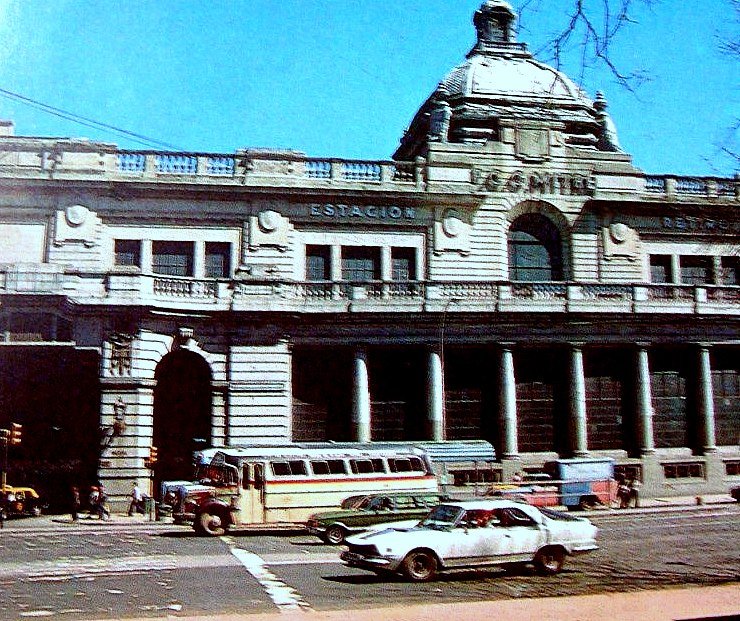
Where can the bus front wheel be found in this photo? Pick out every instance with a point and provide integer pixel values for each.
(211, 524)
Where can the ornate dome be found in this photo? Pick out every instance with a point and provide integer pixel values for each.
(501, 84)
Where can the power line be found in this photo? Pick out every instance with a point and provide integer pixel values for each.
(88, 122)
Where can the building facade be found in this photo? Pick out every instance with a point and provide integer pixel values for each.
(509, 275)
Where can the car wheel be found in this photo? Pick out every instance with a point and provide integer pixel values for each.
(210, 524)
(335, 534)
(36, 511)
(549, 561)
(420, 566)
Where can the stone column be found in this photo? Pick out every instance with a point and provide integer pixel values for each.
(644, 402)
(507, 403)
(361, 398)
(705, 399)
(675, 270)
(146, 256)
(435, 396)
(199, 259)
(577, 405)
(335, 263)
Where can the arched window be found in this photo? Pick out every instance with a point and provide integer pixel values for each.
(535, 249)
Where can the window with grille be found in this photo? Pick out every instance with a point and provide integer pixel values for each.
(172, 258)
(696, 270)
(360, 264)
(660, 268)
(318, 263)
(403, 264)
(128, 252)
(218, 260)
(683, 471)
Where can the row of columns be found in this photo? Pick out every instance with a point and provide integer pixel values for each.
(507, 400)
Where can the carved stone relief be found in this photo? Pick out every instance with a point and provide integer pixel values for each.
(76, 223)
(620, 240)
(451, 232)
(121, 353)
(268, 228)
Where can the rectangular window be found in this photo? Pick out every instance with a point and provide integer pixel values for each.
(683, 471)
(367, 466)
(218, 260)
(330, 466)
(360, 264)
(128, 252)
(172, 258)
(732, 468)
(403, 264)
(729, 271)
(696, 270)
(318, 263)
(660, 268)
(288, 468)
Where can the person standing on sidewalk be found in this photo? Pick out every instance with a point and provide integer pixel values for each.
(75, 500)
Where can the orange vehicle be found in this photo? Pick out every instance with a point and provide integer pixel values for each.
(20, 501)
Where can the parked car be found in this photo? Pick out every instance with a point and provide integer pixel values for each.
(474, 533)
(20, 501)
(334, 526)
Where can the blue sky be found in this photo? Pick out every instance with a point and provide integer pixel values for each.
(341, 78)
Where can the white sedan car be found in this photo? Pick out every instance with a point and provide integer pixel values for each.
(473, 533)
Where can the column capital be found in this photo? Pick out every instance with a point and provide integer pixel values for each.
(643, 344)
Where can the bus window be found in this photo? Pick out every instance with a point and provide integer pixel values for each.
(399, 465)
(287, 468)
(328, 466)
(367, 466)
(246, 478)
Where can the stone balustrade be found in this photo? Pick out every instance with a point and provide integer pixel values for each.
(63, 159)
(375, 296)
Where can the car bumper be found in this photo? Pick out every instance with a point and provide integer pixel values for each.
(373, 563)
(583, 548)
(319, 531)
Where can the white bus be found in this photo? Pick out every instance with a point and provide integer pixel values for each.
(286, 484)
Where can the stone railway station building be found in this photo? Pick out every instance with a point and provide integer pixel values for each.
(508, 275)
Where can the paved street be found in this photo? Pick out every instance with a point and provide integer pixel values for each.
(121, 569)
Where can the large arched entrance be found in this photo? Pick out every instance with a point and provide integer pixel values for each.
(182, 413)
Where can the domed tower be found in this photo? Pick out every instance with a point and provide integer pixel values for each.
(501, 94)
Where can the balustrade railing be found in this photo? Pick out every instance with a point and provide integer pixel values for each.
(185, 288)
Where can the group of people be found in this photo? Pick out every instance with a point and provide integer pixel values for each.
(97, 501)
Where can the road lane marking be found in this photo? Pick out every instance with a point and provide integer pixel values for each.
(285, 597)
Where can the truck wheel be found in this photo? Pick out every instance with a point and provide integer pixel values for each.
(420, 566)
(210, 524)
(549, 561)
(335, 534)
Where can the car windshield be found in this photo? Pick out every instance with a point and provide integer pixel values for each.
(442, 517)
(379, 503)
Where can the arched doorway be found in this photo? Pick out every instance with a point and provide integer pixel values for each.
(535, 249)
(182, 413)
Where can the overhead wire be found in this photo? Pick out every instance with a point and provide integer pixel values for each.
(89, 122)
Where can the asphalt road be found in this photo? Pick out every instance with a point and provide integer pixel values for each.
(103, 571)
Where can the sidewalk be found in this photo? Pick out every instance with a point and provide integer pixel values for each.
(647, 505)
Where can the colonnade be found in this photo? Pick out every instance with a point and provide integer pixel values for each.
(577, 409)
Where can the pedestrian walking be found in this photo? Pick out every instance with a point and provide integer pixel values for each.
(634, 486)
(137, 500)
(75, 501)
(103, 510)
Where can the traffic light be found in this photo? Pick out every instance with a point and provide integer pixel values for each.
(16, 433)
(152, 457)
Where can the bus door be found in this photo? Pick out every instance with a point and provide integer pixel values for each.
(252, 504)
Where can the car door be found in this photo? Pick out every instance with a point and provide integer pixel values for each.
(471, 542)
(518, 535)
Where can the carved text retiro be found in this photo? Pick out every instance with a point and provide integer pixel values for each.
(366, 212)
(536, 182)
